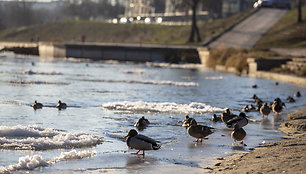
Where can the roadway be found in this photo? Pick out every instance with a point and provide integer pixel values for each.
(250, 30)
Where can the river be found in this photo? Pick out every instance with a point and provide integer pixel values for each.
(106, 98)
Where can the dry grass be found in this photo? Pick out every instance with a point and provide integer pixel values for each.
(286, 33)
(236, 58)
(71, 31)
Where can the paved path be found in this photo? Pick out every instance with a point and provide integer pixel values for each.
(249, 31)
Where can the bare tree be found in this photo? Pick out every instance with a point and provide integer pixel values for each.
(194, 33)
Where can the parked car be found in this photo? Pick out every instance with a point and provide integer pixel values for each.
(284, 4)
(263, 3)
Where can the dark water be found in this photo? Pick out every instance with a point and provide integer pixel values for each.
(162, 93)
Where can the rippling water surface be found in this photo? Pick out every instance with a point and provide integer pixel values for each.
(104, 101)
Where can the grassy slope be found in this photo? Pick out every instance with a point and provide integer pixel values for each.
(287, 33)
(69, 31)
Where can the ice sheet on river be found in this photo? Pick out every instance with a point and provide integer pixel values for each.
(140, 106)
(32, 162)
(36, 138)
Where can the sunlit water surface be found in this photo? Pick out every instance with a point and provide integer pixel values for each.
(162, 93)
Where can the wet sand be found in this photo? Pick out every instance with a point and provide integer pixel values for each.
(285, 156)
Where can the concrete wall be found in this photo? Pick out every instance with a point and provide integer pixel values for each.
(203, 54)
(52, 50)
(259, 68)
(265, 64)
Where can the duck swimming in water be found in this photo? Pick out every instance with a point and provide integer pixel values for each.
(187, 120)
(37, 105)
(61, 105)
(227, 115)
(140, 142)
(142, 123)
(198, 131)
(215, 118)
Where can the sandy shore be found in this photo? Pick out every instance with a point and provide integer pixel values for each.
(285, 156)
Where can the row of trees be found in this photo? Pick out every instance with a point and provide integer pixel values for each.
(22, 13)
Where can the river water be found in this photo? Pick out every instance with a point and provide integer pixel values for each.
(104, 101)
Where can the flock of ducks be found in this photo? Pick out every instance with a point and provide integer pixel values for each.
(60, 105)
(235, 122)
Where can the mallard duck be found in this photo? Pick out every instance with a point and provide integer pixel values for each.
(61, 105)
(297, 94)
(187, 120)
(227, 115)
(245, 109)
(238, 122)
(276, 83)
(265, 110)
(290, 99)
(140, 142)
(142, 123)
(215, 118)
(36, 105)
(238, 135)
(252, 107)
(198, 131)
(277, 106)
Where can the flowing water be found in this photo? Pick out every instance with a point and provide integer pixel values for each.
(104, 101)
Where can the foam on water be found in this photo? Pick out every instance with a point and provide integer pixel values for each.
(141, 106)
(175, 66)
(32, 162)
(35, 138)
(31, 82)
(151, 82)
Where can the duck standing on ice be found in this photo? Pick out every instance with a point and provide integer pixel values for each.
(140, 142)
(265, 110)
(198, 131)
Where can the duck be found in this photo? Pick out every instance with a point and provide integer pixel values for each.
(254, 86)
(187, 120)
(238, 135)
(290, 99)
(265, 110)
(140, 142)
(37, 105)
(277, 106)
(276, 83)
(61, 105)
(238, 122)
(227, 115)
(252, 107)
(198, 131)
(245, 109)
(142, 123)
(297, 94)
(215, 118)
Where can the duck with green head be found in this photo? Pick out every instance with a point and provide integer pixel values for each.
(140, 142)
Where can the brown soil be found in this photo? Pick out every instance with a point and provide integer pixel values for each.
(285, 156)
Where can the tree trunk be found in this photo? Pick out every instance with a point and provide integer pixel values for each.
(300, 11)
(194, 27)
